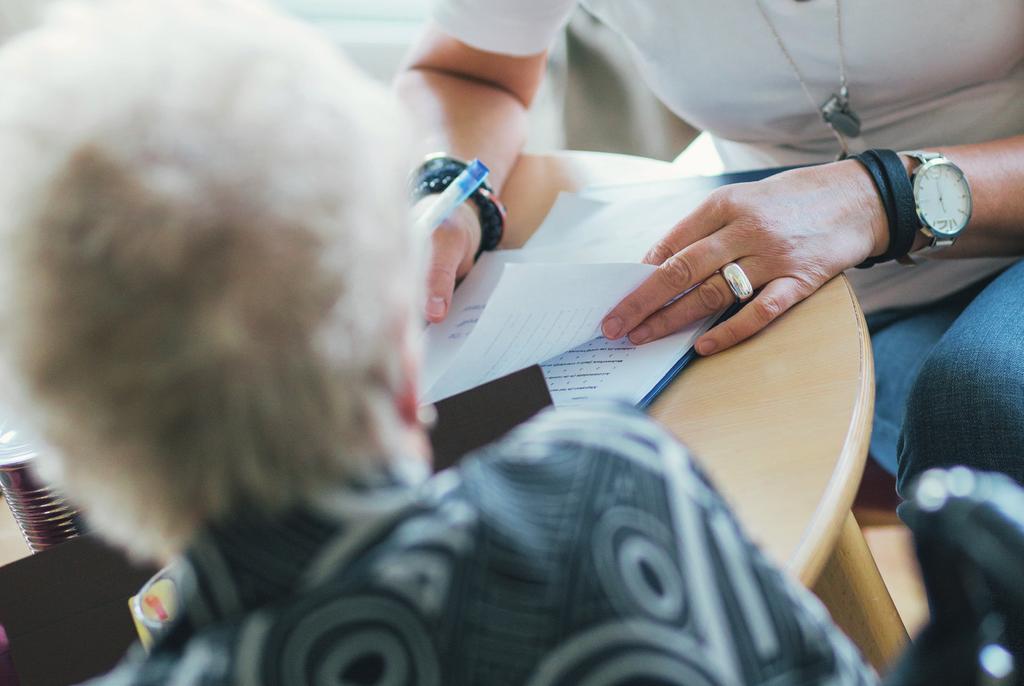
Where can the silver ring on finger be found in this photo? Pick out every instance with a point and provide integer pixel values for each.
(738, 282)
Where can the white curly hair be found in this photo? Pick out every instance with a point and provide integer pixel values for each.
(206, 284)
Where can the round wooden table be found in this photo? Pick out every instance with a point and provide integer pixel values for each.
(781, 422)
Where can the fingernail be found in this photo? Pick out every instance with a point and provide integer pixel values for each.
(436, 306)
(612, 328)
(706, 347)
(640, 334)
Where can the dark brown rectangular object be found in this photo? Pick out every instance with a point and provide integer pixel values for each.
(65, 611)
(473, 419)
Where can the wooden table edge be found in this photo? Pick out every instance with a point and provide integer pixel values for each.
(820, 538)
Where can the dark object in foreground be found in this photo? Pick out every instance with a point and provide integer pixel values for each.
(969, 533)
(65, 611)
(481, 415)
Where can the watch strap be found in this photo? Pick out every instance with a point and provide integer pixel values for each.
(921, 156)
(936, 245)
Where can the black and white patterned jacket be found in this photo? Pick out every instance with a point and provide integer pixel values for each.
(584, 549)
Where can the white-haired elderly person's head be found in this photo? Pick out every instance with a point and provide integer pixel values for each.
(207, 284)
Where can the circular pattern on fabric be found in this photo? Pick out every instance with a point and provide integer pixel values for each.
(361, 641)
(369, 657)
(651, 577)
(634, 559)
(628, 653)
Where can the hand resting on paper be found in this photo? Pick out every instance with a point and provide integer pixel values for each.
(790, 233)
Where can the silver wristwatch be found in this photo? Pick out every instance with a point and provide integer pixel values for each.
(942, 198)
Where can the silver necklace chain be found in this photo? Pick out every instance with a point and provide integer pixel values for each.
(840, 99)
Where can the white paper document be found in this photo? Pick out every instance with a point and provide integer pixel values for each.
(625, 230)
(646, 190)
(547, 314)
(536, 312)
(443, 342)
(617, 370)
(544, 304)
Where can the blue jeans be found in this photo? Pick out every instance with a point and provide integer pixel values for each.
(950, 382)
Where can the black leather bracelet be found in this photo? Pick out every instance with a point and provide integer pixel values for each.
(902, 192)
(882, 185)
(897, 195)
(437, 172)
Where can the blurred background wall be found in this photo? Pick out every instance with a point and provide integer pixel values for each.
(591, 100)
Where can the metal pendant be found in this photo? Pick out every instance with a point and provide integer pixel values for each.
(837, 113)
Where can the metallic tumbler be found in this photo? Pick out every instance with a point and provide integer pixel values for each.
(44, 517)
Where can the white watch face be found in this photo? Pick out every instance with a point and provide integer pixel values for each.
(943, 198)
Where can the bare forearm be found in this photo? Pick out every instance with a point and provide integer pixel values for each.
(468, 103)
(465, 118)
(995, 171)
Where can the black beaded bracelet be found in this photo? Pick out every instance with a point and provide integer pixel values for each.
(894, 188)
(437, 173)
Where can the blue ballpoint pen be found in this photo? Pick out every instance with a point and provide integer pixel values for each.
(461, 187)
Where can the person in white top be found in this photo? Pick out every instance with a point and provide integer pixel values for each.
(785, 82)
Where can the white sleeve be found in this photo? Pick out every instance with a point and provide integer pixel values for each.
(510, 27)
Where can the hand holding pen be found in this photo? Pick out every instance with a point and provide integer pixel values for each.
(453, 228)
